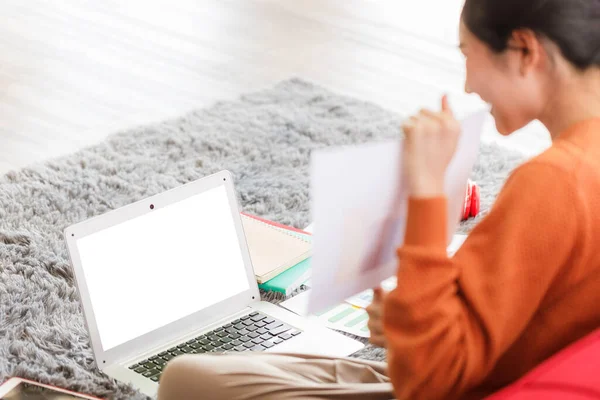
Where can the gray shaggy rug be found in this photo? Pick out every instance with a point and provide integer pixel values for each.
(264, 138)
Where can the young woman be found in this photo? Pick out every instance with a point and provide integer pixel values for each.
(524, 285)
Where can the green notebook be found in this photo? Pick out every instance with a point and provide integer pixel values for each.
(292, 278)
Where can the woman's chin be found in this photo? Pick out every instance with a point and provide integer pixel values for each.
(503, 131)
(503, 128)
(508, 126)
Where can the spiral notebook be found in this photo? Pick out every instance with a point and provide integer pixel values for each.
(272, 250)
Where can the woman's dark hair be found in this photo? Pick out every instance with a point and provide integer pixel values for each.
(574, 25)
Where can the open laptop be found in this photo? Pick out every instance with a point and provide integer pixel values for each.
(171, 275)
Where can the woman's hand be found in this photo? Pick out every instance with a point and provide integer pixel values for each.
(430, 142)
(375, 311)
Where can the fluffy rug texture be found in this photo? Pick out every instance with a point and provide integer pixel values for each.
(264, 138)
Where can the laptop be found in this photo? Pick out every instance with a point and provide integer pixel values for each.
(171, 275)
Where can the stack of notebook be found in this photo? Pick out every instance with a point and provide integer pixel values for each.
(280, 254)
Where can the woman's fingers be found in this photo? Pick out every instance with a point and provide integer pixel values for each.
(435, 117)
(375, 327)
(377, 337)
(374, 311)
(377, 294)
(446, 106)
(375, 323)
(409, 124)
(428, 113)
(378, 340)
(430, 140)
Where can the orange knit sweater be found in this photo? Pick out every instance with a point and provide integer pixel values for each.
(525, 284)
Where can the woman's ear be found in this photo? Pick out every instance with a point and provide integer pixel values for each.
(531, 51)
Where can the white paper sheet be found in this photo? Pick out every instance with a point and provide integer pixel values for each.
(364, 298)
(350, 316)
(343, 317)
(310, 228)
(359, 201)
(298, 304)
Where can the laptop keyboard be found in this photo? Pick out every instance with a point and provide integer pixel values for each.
(252, 332)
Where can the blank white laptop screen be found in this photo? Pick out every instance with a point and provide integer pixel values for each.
(160, 267)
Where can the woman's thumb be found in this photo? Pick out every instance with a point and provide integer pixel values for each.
(377, 293)
(446, 105)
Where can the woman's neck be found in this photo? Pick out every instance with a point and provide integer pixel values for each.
(572, 100)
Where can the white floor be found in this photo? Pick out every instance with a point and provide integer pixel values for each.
(74, 71)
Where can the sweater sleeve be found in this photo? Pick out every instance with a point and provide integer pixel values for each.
(450, 319)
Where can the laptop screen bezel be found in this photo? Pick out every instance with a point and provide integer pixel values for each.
(175, 330)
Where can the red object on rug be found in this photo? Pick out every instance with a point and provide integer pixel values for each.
(472, 201)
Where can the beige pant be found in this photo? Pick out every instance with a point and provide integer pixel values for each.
(273, 376)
